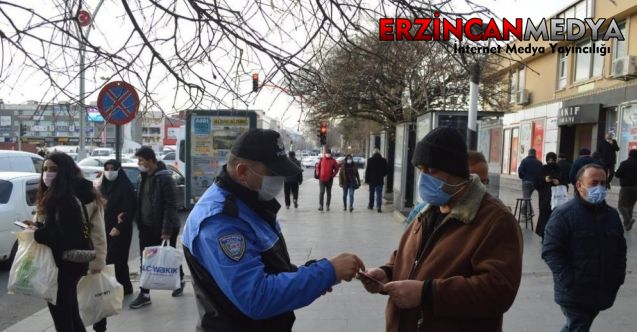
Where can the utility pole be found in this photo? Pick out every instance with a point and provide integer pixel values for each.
(472, 123)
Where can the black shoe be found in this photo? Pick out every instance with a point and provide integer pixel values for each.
(344, 208)
(287, 207)
(321, 209)
(296, 205)
(379, 210)
(351, 209)
(370, 208)
(328, 208)
(629, 225)
(179, 291)
(140, 301)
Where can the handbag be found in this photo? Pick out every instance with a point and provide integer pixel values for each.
(82, 255)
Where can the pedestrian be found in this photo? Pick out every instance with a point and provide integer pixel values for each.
(69, 220)
(156, 212)
(607, 149)
(241, 270)
(375, 172)
(292, 183)
(477, 165)
(349, 180)
(627, 174)
(585, 158)
(584, 247)
(327, 169)
(458, 266)
(550, 176)
(565, 167)
(528, 172)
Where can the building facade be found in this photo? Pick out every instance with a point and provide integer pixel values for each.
(562, 102)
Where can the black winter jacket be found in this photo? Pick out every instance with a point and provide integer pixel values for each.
(163, 199)
(530, 168)
(375, 170)
(585, 248)
(295, 178)
(120, 197)
(608, 152)
(627, 173)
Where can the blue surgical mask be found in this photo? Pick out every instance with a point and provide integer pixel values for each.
(596, 194)
(430, 190)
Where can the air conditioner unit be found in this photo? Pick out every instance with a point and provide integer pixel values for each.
(625, 68)
(522, 97)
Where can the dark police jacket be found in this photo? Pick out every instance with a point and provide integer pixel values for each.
(241, 270)
(585, 248)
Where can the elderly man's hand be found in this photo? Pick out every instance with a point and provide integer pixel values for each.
(406, 294)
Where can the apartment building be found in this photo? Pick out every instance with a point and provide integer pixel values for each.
(559, 102)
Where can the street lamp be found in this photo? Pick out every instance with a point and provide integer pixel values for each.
(82, 147)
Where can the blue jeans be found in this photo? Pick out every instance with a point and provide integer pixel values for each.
(578, 320)
(348, 189)
(378, 191)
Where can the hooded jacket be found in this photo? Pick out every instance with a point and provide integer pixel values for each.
(471, 265)
(163, 198)
(328, 167)
(120, 198)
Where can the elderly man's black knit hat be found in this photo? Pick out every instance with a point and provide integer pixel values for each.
(444, 148)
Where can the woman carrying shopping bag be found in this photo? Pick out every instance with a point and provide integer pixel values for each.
(119, 193)
(69, 220)
(550, 176)
(349, 180)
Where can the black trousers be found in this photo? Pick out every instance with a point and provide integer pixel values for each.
(325, 186)
(66, 312)
(610, 170)
(150, 236)
(291, 187)
(626, 203)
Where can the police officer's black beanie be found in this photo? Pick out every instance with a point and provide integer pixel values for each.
(444, 148)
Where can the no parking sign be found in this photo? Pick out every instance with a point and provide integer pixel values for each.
(118, 102)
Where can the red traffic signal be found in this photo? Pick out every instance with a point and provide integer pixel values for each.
(323, 129)
(255, 82)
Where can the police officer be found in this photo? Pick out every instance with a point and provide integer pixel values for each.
(240, 266)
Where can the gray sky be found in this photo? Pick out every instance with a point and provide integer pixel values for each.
(28, 87)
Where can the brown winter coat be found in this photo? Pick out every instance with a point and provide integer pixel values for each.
(474, 262)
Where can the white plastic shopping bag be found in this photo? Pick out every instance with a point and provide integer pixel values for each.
(558, 196)
(160, 267)
(33, 271)
(99, 296)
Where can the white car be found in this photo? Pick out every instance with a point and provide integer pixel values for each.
(18, 198)
(309, 162)
(20, 161)
(99, 161)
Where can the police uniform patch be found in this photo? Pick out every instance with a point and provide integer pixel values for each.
(233, 245)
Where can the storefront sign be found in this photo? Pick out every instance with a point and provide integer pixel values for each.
(571, 115)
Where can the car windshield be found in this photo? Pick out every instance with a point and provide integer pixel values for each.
(5, 191)
(133, 174)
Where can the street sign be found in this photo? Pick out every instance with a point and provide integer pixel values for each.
(118, 103)
(84, 18)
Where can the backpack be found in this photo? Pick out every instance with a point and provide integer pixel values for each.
(317, 170)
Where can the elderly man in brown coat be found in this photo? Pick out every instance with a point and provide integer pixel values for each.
(458, 266)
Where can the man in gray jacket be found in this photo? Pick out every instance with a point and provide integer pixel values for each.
(156, 215)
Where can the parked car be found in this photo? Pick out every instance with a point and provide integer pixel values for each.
(132, 171)
(99, 161)
(102, 152)
(170, 157)
(309, 162)
(91, 173)
(20, 161)
(18, 195)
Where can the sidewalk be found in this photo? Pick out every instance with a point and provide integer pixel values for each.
(373, 236)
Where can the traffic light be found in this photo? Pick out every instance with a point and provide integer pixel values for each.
(255, 82)
(323, 133)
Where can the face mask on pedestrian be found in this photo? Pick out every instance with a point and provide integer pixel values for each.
(328, 155)
(110, 175)
(48, 177)
(430, 190)
(143, 169)
(596, 194)
(271, 186)
(349, 161)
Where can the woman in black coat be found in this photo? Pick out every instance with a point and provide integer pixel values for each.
(120, 196)
(550, 176)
